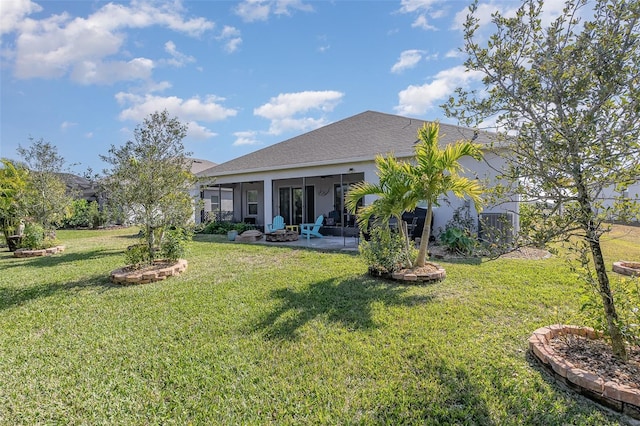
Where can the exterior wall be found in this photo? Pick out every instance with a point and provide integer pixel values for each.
(632, 193)
(323, 179)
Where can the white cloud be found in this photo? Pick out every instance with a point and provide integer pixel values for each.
(421, 22)
(231, 38)
(324, 43)
(60, 44)
(483, 13)
(13, 12)
(196, 131)
(282, 110)
(422, 8)
(454, 53)
(550, 11)
(416, 100)
(178, 59)
(99, 72)
(411, 6)
(67, 124)
(408, 59)
(141, 106)
(260, 10)
(246, 138)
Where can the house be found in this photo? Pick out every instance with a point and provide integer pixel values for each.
(308, 175)
(629, 193)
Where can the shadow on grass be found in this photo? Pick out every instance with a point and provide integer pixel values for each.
(16, 296)
(347, 302)
(459, 260)
(439, 394)
(60, 258)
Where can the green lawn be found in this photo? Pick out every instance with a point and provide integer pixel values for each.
(256, 335)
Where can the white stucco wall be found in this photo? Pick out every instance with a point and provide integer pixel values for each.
(323, 191)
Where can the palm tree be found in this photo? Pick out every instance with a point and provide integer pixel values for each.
(391, 192)
(435, 173)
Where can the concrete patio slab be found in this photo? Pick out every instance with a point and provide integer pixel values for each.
(325, 243)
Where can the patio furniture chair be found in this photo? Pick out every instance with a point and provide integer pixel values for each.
(312, 229)
(278, 223)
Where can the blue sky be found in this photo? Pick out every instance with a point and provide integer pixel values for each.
(243, 75)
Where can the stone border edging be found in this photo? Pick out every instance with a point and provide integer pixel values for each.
(620, 398)
(409, 276)
(625, 267)
(37, 253)
(438, 275)
(122, 276)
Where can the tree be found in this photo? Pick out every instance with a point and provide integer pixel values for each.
(567, 98)
(13, 187)
(47, 198)
(433, 172)
(391, 192)
(436, 173)
(150, 178)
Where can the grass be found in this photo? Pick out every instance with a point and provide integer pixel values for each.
(268, 335)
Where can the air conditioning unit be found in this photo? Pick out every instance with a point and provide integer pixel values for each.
(495, 227)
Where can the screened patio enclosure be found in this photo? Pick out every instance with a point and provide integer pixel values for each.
(297, 200)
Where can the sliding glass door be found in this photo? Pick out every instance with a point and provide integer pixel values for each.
(291, 202)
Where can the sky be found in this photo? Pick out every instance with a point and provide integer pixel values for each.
(243, 75)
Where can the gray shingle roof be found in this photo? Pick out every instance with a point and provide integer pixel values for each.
(198, 165)
(357, 138)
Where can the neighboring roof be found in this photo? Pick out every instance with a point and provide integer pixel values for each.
(357, 138)
(86, 189)
(198, 165)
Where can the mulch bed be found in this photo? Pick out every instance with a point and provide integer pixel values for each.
(597, 357)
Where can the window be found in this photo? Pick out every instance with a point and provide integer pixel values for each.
(252, 202)
(215, 203)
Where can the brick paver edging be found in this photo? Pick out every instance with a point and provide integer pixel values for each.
(620, 398)
(36, 253)
(410, 276)
(627, 268)
(124, 276)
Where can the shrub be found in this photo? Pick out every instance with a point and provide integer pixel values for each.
(77, 215)
(173, 245)
(97, 218)
(137, 255)
(458, 240)
(223, 227)
(384, 252)
(34, 237)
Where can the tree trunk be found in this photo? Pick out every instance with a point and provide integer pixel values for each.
(426, 234)
(593, 239)
(151, 243)
(617, 341)
(405, 236)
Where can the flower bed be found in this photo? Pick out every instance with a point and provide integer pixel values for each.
(627, 268)
(619, 397)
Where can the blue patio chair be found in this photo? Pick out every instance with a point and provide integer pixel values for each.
(312, 229)
(278, 223)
